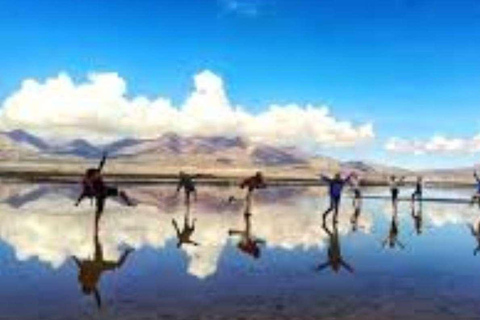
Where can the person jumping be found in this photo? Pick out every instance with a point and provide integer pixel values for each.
(94, 188)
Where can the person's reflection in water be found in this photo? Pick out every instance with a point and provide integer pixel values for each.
(335, 259)
(248, 244)
(184, 236)
(90, 270)
(392, 239)
(417, 217)
(475, 230)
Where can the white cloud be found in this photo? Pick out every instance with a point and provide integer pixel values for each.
(249, 8)
(99, 109)
(435, 145)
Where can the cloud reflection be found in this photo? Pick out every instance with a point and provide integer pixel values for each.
(52, 230)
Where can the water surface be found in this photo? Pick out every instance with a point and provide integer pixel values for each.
(430, 272)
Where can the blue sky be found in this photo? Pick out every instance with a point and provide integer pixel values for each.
(411, 67)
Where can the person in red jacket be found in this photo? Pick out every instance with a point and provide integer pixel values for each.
(253, 182)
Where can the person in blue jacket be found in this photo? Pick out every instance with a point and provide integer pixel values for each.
(335, 187)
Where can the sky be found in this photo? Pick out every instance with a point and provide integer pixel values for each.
(390, 81)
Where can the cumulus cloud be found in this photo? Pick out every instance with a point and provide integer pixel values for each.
(99, 109)
(435, 145)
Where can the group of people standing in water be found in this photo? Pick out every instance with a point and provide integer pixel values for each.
(95, 189)
(337, 184)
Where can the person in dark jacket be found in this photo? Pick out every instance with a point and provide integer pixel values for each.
(187, 183)
(418, 192)
(93, 187)
(395, 183)
(476, 196)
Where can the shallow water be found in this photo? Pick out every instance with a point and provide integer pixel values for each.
(435, 276)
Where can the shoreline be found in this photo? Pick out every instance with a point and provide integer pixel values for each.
(70, 177)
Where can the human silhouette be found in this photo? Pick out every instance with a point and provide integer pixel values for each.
(187, 183)
(91, 270)
(357, 191)
(417, 217)
(417, 193)
(248, 244)
(94, 188)
(184, 235)
(256, 181)
(355, 216)
(395, 183)
(475, 231)
(335, 260)
(476, 196)
(335, 187)
(392, 239)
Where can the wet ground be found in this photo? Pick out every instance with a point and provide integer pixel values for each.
(54, 265)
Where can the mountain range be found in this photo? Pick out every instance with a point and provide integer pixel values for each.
(172, 150)
(18, 145)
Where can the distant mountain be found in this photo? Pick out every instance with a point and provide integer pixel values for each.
(78, 147)
(25, 138)
(115, 147)
(266, 155)
(167, 143)
(365, 167)
(212, 144)
(222, 150)
(171, 143)
(15, 146)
